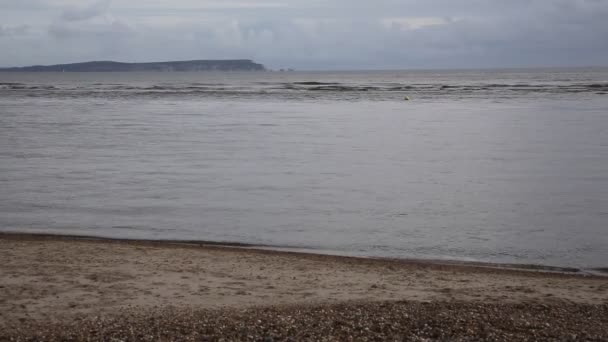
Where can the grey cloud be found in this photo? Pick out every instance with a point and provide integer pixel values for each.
(328, 34)
(25, 5)
(76, 14)
(114, 29)
(6, 30)
(92, 22)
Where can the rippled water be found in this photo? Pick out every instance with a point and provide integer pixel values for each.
(503, 166)
(373, 86)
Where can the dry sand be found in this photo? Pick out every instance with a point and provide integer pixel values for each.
(46, 279)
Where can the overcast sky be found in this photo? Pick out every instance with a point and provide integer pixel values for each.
(309, 34)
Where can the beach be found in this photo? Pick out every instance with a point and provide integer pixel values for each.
(355, 171)
(87, 288)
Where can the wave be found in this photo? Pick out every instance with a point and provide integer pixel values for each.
(20, 86)
(315, 83)
(291, 89)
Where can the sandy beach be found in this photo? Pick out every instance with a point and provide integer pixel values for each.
(57, 286)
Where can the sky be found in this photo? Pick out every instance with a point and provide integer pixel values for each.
(309, 34)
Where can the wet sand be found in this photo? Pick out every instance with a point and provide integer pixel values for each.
(51, 281)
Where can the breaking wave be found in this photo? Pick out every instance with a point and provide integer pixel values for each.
(300, 89)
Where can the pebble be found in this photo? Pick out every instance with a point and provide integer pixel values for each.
(365, 321)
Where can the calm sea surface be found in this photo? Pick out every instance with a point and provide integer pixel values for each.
(501, 166)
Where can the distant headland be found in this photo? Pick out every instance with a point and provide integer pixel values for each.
(110, 66)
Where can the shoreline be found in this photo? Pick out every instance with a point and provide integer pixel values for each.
(594, 271)
(66, 288)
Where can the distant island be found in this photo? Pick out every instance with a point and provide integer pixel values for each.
(110, 66)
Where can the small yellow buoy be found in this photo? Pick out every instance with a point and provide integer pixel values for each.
(407, 98)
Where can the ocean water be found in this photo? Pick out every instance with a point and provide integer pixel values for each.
(503, 166)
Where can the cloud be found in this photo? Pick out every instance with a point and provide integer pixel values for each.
(312, 34)
(91, 30)
(93, 22)
(84, 13)
(6, 30)
(406, 23)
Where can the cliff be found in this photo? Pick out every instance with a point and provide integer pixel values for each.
(109, 66)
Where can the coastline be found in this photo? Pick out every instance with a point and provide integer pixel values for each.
(310, 251)
(61, 284)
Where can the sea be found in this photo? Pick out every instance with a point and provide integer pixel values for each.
(501, 166)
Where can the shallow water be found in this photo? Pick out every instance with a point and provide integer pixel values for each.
(493, 173)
